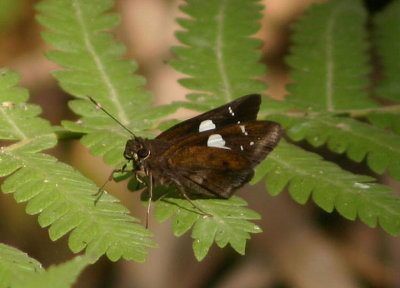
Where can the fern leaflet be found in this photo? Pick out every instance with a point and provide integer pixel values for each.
(387, 46)
(15, 265)
(61, 196)
(17, 269)
(330, 187)
(219, 55)
(332, 92)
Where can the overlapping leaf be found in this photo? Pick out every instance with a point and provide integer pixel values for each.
(331, 75)
(227, 222)
(219, 56)
(386, 24)
(61, 196)
(357, 139)
(386, 119)
(15, 266)
(61, 276)
(17, 269)
(329, 57)
(95, 69)
(387, 46)
(330, 187)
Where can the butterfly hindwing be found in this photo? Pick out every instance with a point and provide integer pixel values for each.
(213, 171)
(216, 184)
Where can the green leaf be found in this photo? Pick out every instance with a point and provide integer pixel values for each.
(95, 69)
(65, 201)
(17, 269)
(62, 197)
(330, 68)
(357, 139)
(387, 44)
(219, 56)
(329, 58)
(16, 266)
(63, 275)
(227, 222)
(330, 187)
(17, 118)
(386, 119)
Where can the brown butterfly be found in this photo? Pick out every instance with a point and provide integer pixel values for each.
(212, 154)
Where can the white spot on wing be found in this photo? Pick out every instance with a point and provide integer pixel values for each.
(231, 111)
(251, 143)
(241, 147)
(206, 125)
(243, 128)
(361, 185)
(216, 140)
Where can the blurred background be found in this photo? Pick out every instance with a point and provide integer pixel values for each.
(301, 246)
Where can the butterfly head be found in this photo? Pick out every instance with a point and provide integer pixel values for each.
(136, 150)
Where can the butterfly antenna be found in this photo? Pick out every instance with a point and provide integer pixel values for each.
(98, 106)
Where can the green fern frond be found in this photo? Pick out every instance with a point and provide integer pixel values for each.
(331, 73)
(219, 54)
(330, 187)
(345, 135)
(17, 118)
(17, 269)
(65, 201)
(94, 68)
(15, 266)
(388, 46)
(386, 119)
(329, 58)
(61, 276)
(61, 196)
(228, 223)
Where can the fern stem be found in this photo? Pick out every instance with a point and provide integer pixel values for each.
(219, 52)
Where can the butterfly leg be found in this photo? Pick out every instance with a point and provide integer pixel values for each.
(181, 190)
(150, 199)
(139, 175)
(100, 192)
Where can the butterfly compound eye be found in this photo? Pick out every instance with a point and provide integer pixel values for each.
(143, 153)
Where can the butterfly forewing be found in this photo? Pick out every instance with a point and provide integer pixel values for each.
(238, 111)
(251, 140)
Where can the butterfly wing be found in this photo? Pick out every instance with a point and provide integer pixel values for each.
(238, 111)
(252, 140)
(224, 164)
